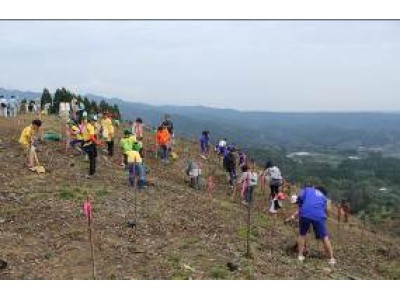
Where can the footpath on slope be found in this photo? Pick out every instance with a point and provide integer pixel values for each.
(181, 233)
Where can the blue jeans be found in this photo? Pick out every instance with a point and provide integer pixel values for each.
(137, 171)
(164, 152)
(74, 143)
(141, 174)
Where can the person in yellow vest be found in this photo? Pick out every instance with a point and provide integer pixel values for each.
(28, 141)
(108, 132)
(90, 142)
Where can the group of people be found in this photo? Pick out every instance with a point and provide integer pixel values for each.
(8, 107)
(90, 133)
(86, 133)
(311, 201)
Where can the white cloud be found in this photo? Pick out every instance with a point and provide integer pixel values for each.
(259, 65)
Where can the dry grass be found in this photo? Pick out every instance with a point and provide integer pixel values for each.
(181, 233)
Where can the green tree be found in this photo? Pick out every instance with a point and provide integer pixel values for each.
(93, 107)
(86, 102)
(46, 98)
(116, 111)
(103, 106)
(58, 97)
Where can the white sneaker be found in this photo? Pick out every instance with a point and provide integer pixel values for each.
(301, 258)
(332, 262)
(273, 211)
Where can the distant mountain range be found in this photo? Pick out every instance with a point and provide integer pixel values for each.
(19, 94)
(292, 131)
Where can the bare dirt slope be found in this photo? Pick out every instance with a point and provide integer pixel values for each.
(181, 232)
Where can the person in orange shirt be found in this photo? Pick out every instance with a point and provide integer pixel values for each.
(163, 138)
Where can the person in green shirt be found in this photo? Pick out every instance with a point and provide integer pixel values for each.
(138, 146)
(126, 145)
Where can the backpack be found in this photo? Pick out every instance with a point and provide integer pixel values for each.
(253, 179)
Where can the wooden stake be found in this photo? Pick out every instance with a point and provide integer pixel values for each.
(248, 248)
(91, 247)
(210, 186)
(234, 192)
(88, 212)
(338, 230)
(362, 230)
(135, 196)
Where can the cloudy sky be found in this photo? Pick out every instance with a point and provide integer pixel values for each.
(250, 65)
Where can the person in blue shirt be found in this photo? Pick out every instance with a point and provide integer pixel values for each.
(312, 202)
(204, 144)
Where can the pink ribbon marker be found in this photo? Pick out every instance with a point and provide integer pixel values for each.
(87, 209)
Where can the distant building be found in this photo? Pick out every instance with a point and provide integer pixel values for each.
(294, 154)
(354, 157)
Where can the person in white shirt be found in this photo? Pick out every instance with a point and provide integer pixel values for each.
(12, 106)
(35, 109)
(47, 108)
(74, 109)
(3, 106)
(221, 149)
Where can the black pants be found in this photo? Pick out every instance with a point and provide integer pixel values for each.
(274, 190)
(110, 148)
(231, 176)
(91, 151)
(248, 194)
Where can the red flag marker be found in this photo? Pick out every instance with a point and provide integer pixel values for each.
(87, 209)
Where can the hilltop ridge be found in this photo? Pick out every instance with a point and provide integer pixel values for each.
(181, 233)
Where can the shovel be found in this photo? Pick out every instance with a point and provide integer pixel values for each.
(39, 168)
